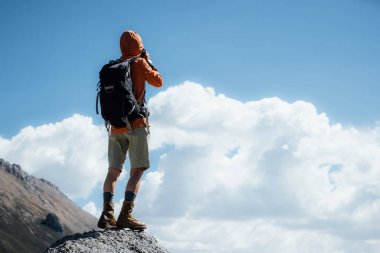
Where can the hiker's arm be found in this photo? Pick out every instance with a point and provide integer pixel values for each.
(152, 76)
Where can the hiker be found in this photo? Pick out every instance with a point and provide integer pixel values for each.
(133, 139)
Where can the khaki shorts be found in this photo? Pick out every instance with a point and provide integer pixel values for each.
(135, 142)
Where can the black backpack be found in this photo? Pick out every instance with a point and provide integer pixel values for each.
(115, 92)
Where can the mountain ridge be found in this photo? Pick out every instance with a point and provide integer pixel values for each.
(34, 213)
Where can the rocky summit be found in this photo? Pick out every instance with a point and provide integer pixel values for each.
(108, 241)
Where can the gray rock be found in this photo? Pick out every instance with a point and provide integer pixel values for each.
(54, 223)
(15, 170)
(108, 241)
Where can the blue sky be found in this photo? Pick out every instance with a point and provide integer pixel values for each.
(325, 52)
(290, 61)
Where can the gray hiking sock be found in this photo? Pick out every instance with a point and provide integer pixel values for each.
(129, 196)
(107, 196)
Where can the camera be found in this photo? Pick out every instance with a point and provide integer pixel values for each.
(143, 54)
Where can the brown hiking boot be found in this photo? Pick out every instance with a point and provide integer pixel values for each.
(107, 219)
(126, 220)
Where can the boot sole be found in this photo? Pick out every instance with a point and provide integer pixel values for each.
(131, 228)
(105, 225)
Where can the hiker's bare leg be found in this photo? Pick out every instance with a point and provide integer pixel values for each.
(110, 181)
(134, 180)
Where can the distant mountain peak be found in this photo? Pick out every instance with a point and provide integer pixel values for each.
(16, 170)
(34, 213)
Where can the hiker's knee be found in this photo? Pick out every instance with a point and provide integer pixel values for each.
(137, 172)
(113, 173)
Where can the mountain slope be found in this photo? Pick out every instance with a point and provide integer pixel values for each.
(26, 203)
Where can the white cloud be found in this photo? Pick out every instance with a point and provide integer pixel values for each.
(258, 235)
(236, 177)
(91, 208)
(233, 176)
(70, 153)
